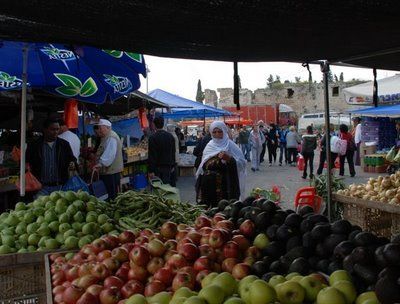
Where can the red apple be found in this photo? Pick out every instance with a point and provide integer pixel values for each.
(126, 236)
(205, 231)
(165, 275)
(87, 280)
(120, 254)
(110, 295)
(122, 273)
(201, 275)
(202, 263)
(225, 224)
(128, 246)
(171, 244)
(182, 279)
(240, 271)
(95, 289)
(89, 249)
(113, 281)
(105, 254)
(183, 242)
(141, 240)
(168, 230)
(194, 236)
(228, 264)
(202, 221)
(249, 260)
(156, 248)
(99, 244)
(247, 228)
(207, 251)
(169, 254)
(205, 239)
(241, 241)
(189, 251)
(111, 263)
(139, 255)
(100, 271)
(254, 252)
(132, 287)
(181, 234)
(146, 232)
(155, 264)
(218, 217)
(88, 298)
(176, 261)
(58, 278)
(216, 238)
(137, 273)
(71, 294)
(58, 289)
(72, 273)
(112, 241)
(231, 250)
(190, 270)
(153, 288)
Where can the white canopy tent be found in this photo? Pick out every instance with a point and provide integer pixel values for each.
(361, 94)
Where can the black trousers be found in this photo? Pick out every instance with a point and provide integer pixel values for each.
(322, 159)
(112, 183)
(350, 160)
(167, 175)
(272, 152)
(308, 158)
(292, 155)
(262, 152)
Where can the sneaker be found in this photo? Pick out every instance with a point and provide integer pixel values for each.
(352, 175)
(270, 164)
(257, 169)
(304, 176)
(280, 164)
(252, 169)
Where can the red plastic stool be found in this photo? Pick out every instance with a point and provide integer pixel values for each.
(307, 196)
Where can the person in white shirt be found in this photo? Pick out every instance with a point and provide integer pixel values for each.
(109, 158)
(71, 138)
(357, 138)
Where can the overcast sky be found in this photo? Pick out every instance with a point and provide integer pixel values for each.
(180, 76)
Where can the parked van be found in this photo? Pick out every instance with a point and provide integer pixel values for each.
(317, 120)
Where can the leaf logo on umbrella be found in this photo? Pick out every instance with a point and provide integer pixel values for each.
(120, 84)
(119, 54)
(74, 87)
(9, 82)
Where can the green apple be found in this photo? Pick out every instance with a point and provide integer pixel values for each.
(312, 287)
(347, 289)
(330, 295)
(367, 296)
(184, 292)
(178, 300)
(234, 300)
(296, 278)
(245, 282)
(208, 279)
(276, 279)
(213, 294)
(136, 299)
(227, 282)
(261, 292)
(291, 275)
(195, 300)
(261, 241)
(339, 275)
(163, 297)
(290, 292)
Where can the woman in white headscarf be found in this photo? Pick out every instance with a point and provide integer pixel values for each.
(222, 171)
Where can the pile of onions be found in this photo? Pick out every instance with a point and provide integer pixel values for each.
(382, 189)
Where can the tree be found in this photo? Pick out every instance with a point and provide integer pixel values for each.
(330, 76)
(341, 78)
(336, 78)
(277, 79)
(270, 81)
(297, 79)
(200, 93)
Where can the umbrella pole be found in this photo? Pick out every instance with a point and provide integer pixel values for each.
(325, 71)
(23, 120)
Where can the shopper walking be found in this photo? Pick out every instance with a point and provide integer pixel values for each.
(322, 155)
(309, 144)
(109, 159)
(244, 143)
(264, 144)
(356, 133)
(351, 148)
(256, 140)
(283, 145)
(272, 143)
(293, 140)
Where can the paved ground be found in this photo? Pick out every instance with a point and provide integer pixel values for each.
(287, 178)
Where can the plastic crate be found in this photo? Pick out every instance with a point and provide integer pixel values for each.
(22, 278)
(381, 218)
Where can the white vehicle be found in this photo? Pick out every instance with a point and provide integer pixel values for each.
(317, 120)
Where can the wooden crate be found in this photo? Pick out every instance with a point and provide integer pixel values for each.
(186, 171)
(380, 218)
(22, 278)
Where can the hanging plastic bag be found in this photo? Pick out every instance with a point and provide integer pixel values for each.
(75, 183)
(300, 162)
(31, 182)
(16, 154)
(391, 154)
(71, 113)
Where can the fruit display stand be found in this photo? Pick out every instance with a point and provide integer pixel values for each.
(380, 218)
(22, 278)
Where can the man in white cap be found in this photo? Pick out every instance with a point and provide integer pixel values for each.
(109, 157)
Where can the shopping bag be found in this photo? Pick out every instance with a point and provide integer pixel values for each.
(98, 188)
(75, 183)
(16, 154)
(31, 182)
(165, 190)
(300, 162)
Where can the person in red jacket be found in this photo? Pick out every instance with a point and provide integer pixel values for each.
(351, 147)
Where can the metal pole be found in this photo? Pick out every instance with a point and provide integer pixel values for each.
(23, 119)
(325, 71)
(85, 139)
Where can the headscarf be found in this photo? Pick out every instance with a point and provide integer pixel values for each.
(224, 144)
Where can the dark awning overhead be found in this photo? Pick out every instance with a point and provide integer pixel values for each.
(231, 30)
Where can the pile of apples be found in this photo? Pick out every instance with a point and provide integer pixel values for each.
(114, 268)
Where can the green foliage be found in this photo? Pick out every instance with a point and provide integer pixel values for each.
(200, 94)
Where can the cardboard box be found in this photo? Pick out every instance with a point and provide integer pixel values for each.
(186, 171)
